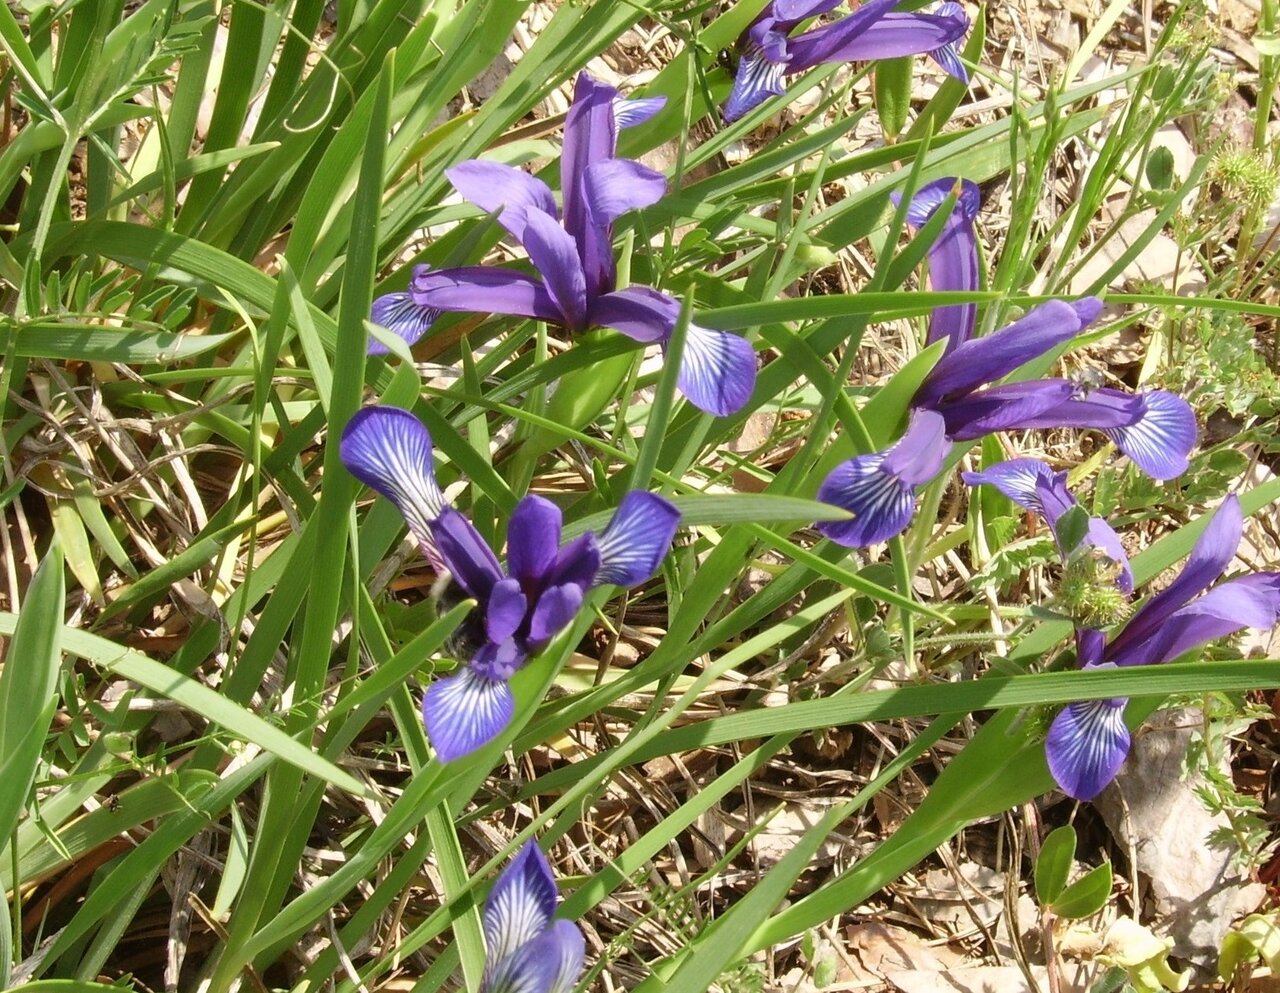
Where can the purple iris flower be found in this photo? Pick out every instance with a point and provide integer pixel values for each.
(953, 257)
(1088, 742)
(402, 317)
(525, 950)
(768, 50)
(1032, 485)
(522, 607)
(1156, 429)
(573, 253)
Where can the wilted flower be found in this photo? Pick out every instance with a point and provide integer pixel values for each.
(1088, 742)
(576, 282)
(768, 51)
(525, 950)
(520, 608)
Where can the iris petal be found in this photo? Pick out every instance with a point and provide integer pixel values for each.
(630, 111)
(640, 312)
(520, 904)
(896, 35)
(1161, 440)
(637, 539)
(953, 257)
(533, 538)
(1086, 745)
(550, 963)
(1018, 479)
(465, 711)
(389, 450)
(881, 504)
(402, 317)
(504, 613)
(467, 556)
(616, 186)
(717, 370)
(496, 186)
(758, 78)
(484, 290)
(556, 607)
(555, 255)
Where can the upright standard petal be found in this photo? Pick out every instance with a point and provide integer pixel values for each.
(550, 963)
(555, 255)
(466, 711)
(402, 317)
(484, 290)
(1209, 558)
(974, 363)
(590, 136)
(466, 555)
(879, 489)
(521, 903)
(1247, 602)
(1160, 441)
(496, 186)
(533, 539)
(637, 539)
(1086, 746)
(389, 450)
(953, 257)
(758, 78)
(616, 186)
(505, 610)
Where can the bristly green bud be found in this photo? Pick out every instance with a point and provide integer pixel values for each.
(1245, 175)
(1088, 593)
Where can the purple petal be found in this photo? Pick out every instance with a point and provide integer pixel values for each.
(795, 11)
(1090, 645)
(1002, 408)
(918, 455)
(465, 711)
(389, 450)
(640, 312)
(550, 963)
(484, 290)
(499, 662)
(555, 255)
(520, 905)
(984, 360)
(1213, 552)
(894, 35)
(533, 539)
(466, 555)
(717, 370)
(577, 563)
(630, 111)
(758, 78)
(637, 539)
(556, 607)
(616, 186)
(881, 503)
(951, 61)
(590, 136)
(1018, 479)
(1160, 441)
(1247, 602)
(493, 185)
(827, 43)
(1086, 746)
(505, 610)
(953, 257)
(402, 317)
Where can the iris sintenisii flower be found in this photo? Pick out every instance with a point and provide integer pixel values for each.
(1088, 742)
(526, 951)
(520, 608)
(768, 51)
(956, 402)
(573, 255)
